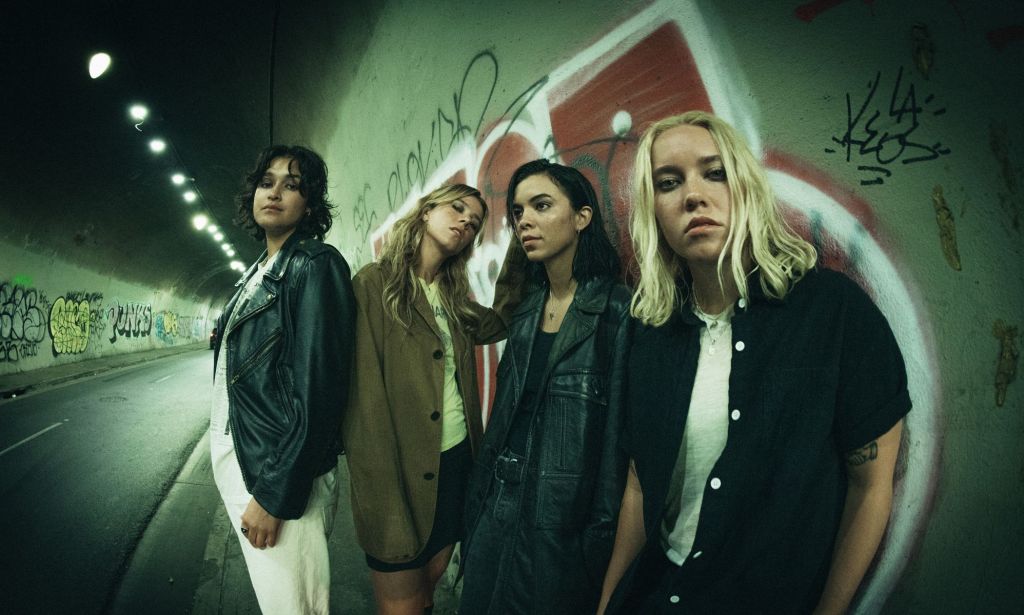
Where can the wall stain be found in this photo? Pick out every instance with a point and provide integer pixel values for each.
(1006, 368)
(1010, 200)
(924, 49)
(947, 228)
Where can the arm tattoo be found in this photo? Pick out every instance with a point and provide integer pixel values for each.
(862, 455)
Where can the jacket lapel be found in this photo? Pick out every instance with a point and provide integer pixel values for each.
(580, 320)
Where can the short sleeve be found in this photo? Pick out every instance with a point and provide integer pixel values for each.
(872, 391)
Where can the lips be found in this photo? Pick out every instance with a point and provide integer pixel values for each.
(458, 231)
(700, 222)
(528, 238)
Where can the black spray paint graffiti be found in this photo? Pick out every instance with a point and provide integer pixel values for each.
(22, 321)
(887, 139)
(449, 126)
(130, 320)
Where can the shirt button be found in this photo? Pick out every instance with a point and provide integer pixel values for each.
(735, 415)
(740, 346)
(673, 599)
(742, 302)
(435, 415)
(716, 483)
(438, 354)
(428, 476)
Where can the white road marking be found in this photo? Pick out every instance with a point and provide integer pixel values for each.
(32, 437)
(162, 379)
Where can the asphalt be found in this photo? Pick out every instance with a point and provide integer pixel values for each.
(188, 559)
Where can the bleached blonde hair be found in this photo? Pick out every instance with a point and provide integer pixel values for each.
(757, 231)
(401, 254)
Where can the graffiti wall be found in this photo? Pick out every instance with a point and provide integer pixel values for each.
(885, 144)
(53, 312)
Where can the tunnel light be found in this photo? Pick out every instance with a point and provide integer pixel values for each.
(189, 196)
(237, 265)
(218, 237)
(200, 221)
(157, 146)
(178, 179)
(230, 253)
(138, 112)
(213, 229)
(225, 247)
(98, 64)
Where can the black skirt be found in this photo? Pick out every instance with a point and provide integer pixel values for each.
(449, 526)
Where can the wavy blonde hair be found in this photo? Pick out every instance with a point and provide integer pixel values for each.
(757, 230)
(401, 255)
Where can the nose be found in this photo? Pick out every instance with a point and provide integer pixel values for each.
(523, 222)
(694, 200)
(274, 191)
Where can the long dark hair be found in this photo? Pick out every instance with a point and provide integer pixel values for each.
(312, 186)
(595, 255)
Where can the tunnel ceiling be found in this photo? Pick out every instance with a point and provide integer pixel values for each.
(82, 184)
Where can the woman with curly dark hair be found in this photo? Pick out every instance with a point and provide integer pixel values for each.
(283, 356)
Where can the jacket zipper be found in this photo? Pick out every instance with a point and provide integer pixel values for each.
(260, 353)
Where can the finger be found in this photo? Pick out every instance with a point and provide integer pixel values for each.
(271, 538)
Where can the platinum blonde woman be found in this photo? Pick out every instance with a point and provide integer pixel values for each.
(413, 423)
(764, 426)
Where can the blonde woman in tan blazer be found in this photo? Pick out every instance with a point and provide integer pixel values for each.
(413, 423)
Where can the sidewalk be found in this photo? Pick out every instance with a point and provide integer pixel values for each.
(189, 560)
(20, 383)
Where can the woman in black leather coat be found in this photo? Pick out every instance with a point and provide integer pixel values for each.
(544, 496)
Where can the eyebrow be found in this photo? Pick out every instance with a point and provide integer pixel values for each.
(269, 173)
(536, 197)
(703, 161)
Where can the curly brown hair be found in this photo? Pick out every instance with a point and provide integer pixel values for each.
(313, 187)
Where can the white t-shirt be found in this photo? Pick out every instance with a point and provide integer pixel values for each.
(707, 428)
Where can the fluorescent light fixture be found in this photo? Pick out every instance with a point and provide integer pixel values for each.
(231, 253)
(138, 112)
(237, 265)
(213, 229)
(157, 146)
(218, 237)
(178, 179)
(98, 64)
(189, 196)
(225, 247)
(200, 221)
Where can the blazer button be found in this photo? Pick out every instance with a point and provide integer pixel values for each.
(438, 354)
(429, 476)
(435, 415)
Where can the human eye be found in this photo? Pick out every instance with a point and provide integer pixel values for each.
(666, 184)
(543, 205)
(265, 183)
(459, 207)
(716, 174)
(517, 212)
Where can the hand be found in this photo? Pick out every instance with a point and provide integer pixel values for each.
(263, 527)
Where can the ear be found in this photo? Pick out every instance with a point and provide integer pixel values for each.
(583, 217)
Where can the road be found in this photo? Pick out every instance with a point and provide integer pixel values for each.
(83, 467)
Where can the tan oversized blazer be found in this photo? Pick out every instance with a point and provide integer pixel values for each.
(392, 426)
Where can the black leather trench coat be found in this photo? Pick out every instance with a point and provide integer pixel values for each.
(288, 355)
(575, 468)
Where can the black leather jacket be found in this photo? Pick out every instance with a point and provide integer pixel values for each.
(289, 354)
(575, 468)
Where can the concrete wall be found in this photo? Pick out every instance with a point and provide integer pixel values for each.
(54, 312)
(892, 136)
